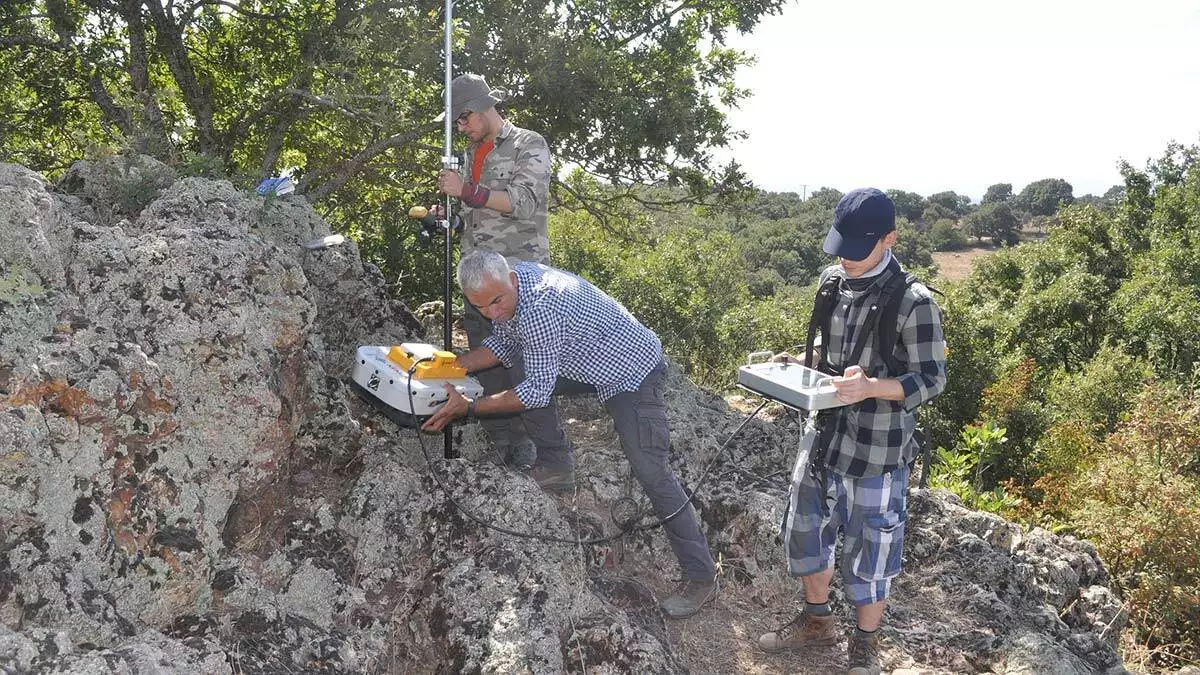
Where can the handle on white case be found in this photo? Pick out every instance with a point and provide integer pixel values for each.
(765, 355)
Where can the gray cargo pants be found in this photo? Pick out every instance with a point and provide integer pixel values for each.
(640, 418)
(506, 431)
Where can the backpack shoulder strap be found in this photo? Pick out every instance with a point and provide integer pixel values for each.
(881, 307)
(827, 295)
(888, 331)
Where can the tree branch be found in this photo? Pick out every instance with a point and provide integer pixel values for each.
(139, 76)
(29, 41)
(189, 12)
(115, 113)
(169, 38)
(323, 102)
(594, 207)
(661, 20)
(341, 174)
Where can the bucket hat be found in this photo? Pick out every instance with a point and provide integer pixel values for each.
(471, 92)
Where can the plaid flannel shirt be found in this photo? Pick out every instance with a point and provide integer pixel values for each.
(875, 436)
(567, 327)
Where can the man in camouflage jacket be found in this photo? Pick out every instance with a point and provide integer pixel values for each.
(504, 187)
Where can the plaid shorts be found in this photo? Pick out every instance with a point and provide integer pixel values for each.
(871, 511)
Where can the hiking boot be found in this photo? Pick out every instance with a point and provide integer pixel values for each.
(554, 480)
(801, 632)
(864, 654)
(689, 597)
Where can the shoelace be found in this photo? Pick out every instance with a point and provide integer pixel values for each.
(863, 651)
(796, 621)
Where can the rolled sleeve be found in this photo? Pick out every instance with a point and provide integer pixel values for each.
(542, 351)
(541, 373)
(503, 349)
(926, 346)
(531, 175)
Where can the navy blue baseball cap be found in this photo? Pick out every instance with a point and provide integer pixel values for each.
(860, 220)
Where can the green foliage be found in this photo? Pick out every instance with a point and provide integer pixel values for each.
(1062, 324)
(955, 204)
(995, 221)
(935, 211)
(912, 247)
(971, 362)
(826, 198)
(202, 165)
(1000, 192)
(791, 247)
(998, 280)
(1013, 400)
(679, 285)
(778, 323)
(944, 235)
(774, 205)
(1157, 309)
(345, 94)
(1100, 392)
(1043, 197)
(962, 469)
(1140, 505)
(909, 205)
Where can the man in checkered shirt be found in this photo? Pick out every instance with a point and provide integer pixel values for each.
(574, 338)
(852, 469)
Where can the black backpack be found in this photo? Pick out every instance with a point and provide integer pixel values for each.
(881, 323)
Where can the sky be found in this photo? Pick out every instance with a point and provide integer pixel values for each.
(935, 95)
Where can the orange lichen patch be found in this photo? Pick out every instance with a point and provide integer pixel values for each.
(118, 506)
(128, 542)
(149, 402)
(54, 394)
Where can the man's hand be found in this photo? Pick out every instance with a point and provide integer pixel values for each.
(854, 385)
(449, 182)
(454, 407)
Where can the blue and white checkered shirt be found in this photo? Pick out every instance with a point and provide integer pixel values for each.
(568, 328)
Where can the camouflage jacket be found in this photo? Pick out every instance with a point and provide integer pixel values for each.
(519, 165)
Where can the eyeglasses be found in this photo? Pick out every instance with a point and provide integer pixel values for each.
(463, 118)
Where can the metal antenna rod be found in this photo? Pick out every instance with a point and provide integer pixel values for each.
(448, 162)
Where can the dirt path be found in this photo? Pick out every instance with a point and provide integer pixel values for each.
(956, 265)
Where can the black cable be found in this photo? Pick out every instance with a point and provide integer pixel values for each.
(626, 524)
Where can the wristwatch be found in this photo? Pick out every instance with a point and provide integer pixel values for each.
(470, 408)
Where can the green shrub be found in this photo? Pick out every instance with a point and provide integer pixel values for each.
(777, 324)
(680, 286)
(945, 235)
(1100, 392)
(962, 470)
(1140, 505)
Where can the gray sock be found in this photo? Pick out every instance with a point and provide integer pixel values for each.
(818, 610)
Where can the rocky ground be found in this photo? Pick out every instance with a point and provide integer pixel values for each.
(187, 483)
